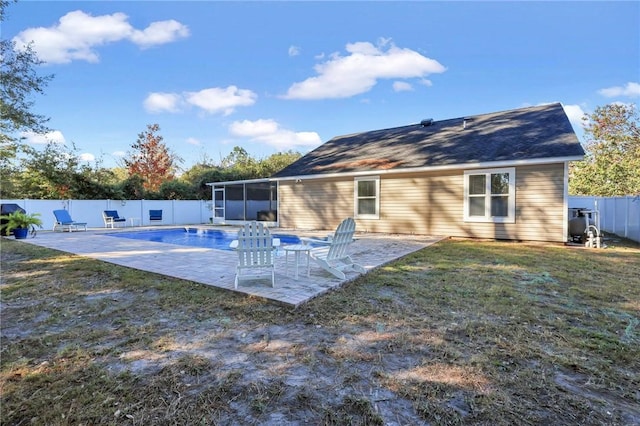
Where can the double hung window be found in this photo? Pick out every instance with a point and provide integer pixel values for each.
(367, 197)
(489, 195)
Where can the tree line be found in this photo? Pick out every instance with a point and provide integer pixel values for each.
(149, 171)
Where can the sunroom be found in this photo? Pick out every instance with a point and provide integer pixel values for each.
(236, 202)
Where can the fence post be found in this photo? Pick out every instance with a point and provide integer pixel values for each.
(627, 217)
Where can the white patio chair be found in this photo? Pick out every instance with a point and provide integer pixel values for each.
(256, 253)
(111, 218)
(333, 256)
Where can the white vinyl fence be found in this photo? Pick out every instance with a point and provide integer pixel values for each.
(617, 215)
(174, 212)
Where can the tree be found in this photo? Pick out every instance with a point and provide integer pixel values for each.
(151, 159)
(18, 82)
(199, 175)
(177, 190)
(278, 161)
(238, 165)
(241, 165)
(612, 162)
(55, 172)
(132, 188)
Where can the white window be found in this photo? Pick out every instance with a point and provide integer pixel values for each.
(367, 197)
(490, 195)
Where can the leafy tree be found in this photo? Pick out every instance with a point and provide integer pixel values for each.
(47, 173)
(238, 157)
(612, 162)
(238, 165)
(278, 161)
(177, 190)
(241, 165)
(95, 183)
(132, 188)
(19, 81)
(56, 172)
(199, 175)
(151, 159)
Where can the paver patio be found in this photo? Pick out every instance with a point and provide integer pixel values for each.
(217, 267)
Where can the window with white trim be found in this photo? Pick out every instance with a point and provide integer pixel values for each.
(490, 195)
(367, 197)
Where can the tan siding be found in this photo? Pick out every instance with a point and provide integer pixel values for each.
(315, 204)
(430, 204)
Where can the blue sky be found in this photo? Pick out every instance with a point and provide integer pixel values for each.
(273, 76)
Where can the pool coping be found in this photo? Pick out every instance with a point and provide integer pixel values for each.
(216, 268)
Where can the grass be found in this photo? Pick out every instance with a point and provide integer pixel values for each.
(463, 332)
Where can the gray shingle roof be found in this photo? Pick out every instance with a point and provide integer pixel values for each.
(534, 133)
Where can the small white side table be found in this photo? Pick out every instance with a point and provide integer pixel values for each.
(133, 221)
(298, 249)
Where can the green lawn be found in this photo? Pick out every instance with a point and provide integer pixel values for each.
(462, 332)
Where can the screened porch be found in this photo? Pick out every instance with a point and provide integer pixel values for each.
(242, 201)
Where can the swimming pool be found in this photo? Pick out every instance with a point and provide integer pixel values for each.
(195, 237)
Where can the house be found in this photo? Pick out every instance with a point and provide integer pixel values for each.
(502, 175)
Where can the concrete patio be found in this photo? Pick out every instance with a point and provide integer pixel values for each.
(217, 267)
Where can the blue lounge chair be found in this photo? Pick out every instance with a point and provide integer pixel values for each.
(111, 218)
(64, 221)
(155, 215)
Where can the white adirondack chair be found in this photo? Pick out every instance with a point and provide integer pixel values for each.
(256, 253)
(333, 256)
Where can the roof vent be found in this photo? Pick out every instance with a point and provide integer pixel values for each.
(426, 122)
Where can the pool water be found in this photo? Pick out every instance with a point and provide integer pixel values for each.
(194, 237)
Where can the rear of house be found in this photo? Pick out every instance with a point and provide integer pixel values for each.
(429, 203)
(501, 175)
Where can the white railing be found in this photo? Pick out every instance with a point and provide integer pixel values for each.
(174, 212)
(617, 215)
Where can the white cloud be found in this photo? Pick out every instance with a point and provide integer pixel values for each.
(118, 153)
(402, 86)
(86, 156)
(218, 100)
(575, 114)
(161, 32)
(214, 100)
(161, 102)
(193, 141)
(254, 129)
(294, 50)
(356, 73)
(269, 131)
(54, 136)
(631, 90)
(77, 34)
